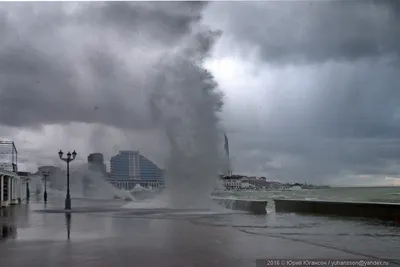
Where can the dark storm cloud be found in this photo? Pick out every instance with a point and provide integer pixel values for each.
(327, 86)
(346, 121)
(345, 100)
(86, 62)
(290, 32)
(172, 20)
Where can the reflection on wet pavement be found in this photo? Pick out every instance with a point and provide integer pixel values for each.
(68, 224)
(7, 227)
(102, 234)
(7, 231)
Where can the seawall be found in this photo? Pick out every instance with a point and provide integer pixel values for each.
(253, 206)
(383, 211)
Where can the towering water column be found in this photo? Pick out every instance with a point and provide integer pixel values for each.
(186, 105)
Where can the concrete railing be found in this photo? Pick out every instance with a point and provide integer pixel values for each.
(383, 211)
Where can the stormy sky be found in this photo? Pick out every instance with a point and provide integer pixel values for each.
(311, 88)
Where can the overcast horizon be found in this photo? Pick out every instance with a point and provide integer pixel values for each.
(310, 89)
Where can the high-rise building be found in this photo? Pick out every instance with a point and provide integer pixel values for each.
(122, 165)
(96, 162)
(148, 170)
(131, 165)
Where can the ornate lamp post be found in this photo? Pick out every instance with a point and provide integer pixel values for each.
(45, 175)
(70, 157)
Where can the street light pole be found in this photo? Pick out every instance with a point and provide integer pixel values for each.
(70, 157)
(28, 194)
(45, 175)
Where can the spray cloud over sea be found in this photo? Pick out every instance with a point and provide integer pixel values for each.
(184, 104)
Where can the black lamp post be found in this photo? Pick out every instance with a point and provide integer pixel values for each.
(45, 174)
(70, 157)
(28, 194)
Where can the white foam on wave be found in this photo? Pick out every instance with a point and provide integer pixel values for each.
(158, 201)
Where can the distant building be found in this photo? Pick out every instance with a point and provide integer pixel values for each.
(131, 184)
(8, 156)
(49, 169)
(96, 162)
(237, 182)
(123, 165)
(148, 170)
(131, 165)
(232, 184)
(56, 176)
(24, 174)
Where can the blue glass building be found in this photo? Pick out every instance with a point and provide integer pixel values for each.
(131, 165)
(149, 170)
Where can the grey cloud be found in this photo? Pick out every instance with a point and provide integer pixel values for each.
(315, 159)
(320, 122)
(327, 82)
(87, 62)
(292, 32)
(348, 100)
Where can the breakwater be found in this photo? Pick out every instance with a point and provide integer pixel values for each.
(383, 211)
(253, 206)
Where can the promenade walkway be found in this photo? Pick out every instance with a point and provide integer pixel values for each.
(101, 233)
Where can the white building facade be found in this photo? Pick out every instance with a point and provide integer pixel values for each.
(131, 184)
(11, 188)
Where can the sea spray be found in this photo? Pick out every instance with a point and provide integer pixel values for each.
(185, 103)
(86, 183)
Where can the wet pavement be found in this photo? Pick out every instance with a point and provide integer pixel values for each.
(101, 233)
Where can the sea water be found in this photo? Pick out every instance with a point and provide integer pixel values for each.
(356, 194)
